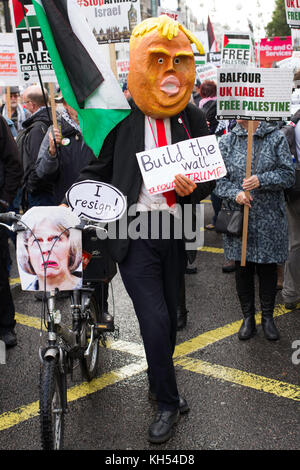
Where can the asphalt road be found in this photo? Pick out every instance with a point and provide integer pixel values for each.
(242, 395)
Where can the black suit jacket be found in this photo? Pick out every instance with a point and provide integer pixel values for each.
(117, 163)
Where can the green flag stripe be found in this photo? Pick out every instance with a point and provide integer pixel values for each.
(237, 46)
(32, 22)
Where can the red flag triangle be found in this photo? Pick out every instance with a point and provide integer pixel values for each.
(226, 41)
(18, 12)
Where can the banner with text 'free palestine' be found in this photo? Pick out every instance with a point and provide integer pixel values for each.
(254, 93)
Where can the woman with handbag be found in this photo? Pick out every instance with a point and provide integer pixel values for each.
(267, 243)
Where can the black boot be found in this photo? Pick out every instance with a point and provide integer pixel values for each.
(248, 328)
(269, 328)
(245, 289)
(267, 294)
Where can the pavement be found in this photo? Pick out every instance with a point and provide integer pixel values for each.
(242, 395)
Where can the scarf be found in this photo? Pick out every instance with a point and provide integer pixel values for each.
(206, 100)
(70, 121)
(21, 116)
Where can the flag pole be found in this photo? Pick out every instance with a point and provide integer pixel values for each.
(113, 61)
(35, 59)
(40, 77)
(246, 208)
(8, 105)
(53, 106)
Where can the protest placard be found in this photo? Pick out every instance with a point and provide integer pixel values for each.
(175, 15)
(292, 9)
(203, 38)
(214, 58)
(122, 70)
(236, 49)
(273, 50)
(111, 22)
(24, 50)
(254, 93)
(8, 61)
(206, 72)
(199, 159)
(97, 201)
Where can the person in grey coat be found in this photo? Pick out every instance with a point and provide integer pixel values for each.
(267, 244)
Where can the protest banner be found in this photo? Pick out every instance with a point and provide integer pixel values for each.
(199, 159)
(122, 70)
(254, 93)
(292, 9)
(175, 15)
(236, 49)
(29, 41)
(8, 61)
(273, 50)
(214, 58)
(203, 39)
(111, 22)
(206, 72)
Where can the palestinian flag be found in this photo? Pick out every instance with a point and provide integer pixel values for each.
(86, 82)
(236, 41)
(212, 43)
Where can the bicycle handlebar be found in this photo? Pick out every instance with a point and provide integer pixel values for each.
(18, 225)
(9, 217)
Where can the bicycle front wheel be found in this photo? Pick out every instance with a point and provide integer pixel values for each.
(51, 406)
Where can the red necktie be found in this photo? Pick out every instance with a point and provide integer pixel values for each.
(162, 141)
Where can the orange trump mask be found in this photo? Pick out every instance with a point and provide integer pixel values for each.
(162, 67)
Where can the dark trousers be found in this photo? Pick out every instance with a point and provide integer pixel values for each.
(7, 309)
(245, 286)
(152, 274)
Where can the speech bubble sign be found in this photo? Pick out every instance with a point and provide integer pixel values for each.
(96, 201)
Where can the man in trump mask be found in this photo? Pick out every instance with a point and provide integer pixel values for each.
(160, 80)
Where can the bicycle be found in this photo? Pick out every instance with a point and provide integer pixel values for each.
(64, 344)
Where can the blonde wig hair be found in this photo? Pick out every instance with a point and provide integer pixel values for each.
(167, 27)
(64, 220)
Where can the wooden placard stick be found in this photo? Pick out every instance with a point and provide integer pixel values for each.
(113, 60)
(52, 103)
(8, 105)
(246, 208)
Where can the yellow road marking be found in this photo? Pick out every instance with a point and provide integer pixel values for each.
(26, 320)
(14, 281)
(210, 337)
(211, 249)
(17, 416)
(281, 389)
(246, 379)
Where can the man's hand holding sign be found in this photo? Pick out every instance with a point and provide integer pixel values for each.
(180, 166)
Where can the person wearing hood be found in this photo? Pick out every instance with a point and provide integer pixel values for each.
(36, 126)
(267, 243)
